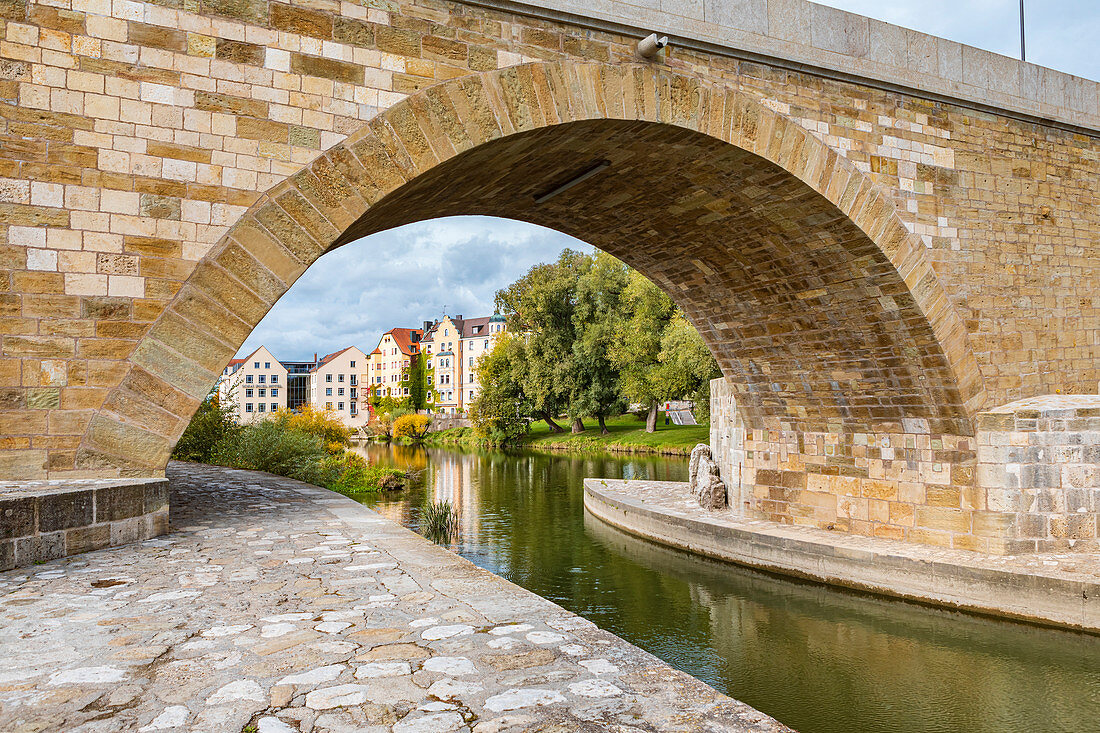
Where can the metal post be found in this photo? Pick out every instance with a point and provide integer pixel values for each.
(1023, 47)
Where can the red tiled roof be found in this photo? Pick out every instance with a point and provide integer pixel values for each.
(403, 337)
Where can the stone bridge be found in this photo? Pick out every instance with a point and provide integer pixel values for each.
(888, 239)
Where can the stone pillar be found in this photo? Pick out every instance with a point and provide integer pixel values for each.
(1039, 475)
(727, 443)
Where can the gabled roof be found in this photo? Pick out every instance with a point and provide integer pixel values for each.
(404, 339)
(329, 357)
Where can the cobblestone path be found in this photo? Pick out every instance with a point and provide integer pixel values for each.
(274, 606)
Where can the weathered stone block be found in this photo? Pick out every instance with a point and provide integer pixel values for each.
(65, 510)
(18, 517)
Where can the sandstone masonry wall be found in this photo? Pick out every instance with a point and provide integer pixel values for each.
(134, 134)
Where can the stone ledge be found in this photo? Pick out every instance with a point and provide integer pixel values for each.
(45, 520)
(1054, 590)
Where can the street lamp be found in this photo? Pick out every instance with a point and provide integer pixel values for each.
(1023, 47)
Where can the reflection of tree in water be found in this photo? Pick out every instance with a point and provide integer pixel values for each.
(817, 658)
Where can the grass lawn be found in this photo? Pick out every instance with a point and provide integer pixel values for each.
(627, 435)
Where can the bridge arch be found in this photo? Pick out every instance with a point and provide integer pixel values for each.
(823, 309)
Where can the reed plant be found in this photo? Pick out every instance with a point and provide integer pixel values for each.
(439, 521)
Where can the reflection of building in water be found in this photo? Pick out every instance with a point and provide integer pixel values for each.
(453, 480)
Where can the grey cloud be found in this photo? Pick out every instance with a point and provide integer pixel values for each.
(401, 277)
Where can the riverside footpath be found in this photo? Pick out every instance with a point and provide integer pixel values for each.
(274, 606)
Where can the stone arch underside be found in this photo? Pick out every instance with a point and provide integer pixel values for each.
(820, 306)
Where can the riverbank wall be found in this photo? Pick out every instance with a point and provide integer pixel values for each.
(1061, 590)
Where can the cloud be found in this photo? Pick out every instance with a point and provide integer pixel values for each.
(401, 277)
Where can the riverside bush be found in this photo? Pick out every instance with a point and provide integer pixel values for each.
(413, 427)
(349, 473)
(273, 447)
(212, 425)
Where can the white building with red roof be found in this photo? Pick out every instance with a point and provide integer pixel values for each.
(254, 387)
(335, 383)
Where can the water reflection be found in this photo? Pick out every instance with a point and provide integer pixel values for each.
(819, 659)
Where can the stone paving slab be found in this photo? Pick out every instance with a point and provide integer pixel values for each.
(1055, 589)
(275, 606)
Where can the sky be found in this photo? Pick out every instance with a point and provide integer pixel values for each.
(404, 276)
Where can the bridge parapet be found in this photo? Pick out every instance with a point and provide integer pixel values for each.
(827, 41)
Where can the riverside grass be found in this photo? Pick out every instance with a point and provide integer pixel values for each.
(626, 434)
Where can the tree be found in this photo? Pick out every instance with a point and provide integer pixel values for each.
(500, 413)
(595, 388)
(646, 311)
(687, 365)
(212, 424)
(540, 306)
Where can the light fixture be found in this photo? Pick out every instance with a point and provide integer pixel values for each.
(588, 173)
(649, 46)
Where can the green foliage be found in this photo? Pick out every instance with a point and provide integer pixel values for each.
(418, 382)
(595, 389)
(645, 311)
(211, 425)
(500, 413)
(686, 364)
(412, 426)
(349, 473)
(274, 447)
(540, 306)
(438, 521)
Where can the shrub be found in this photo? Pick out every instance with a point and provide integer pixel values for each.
(211, 425)
(414, 427)
(334, 435)
(349, 473)
(273, 447)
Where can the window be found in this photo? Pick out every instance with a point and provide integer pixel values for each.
(352, 364)
(328, 391)
(353, 409)
(446, 332)
(274, 378)
(328, 377)
(262, 393)
(486, 344)
(340, 392)
(248, 407)
(471, 394)
(274, 407)
(248, 379)
(339, 377)
(260, 407)
(263, 379)
(267, 365)
(255, 365)
(274, 392)
(406, 391)
(340, 406)
(471, 362)
(248, 393)
(328, 405)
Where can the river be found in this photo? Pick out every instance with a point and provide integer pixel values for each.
(819, 659)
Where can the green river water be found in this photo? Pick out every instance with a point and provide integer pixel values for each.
(819, 659)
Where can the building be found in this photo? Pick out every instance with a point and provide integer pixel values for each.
(254, 386)
(297, 382)
(453, 346)
(391, 359)
(334, 383)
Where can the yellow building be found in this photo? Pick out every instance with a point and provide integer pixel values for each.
(453, 346)
(390, 362)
